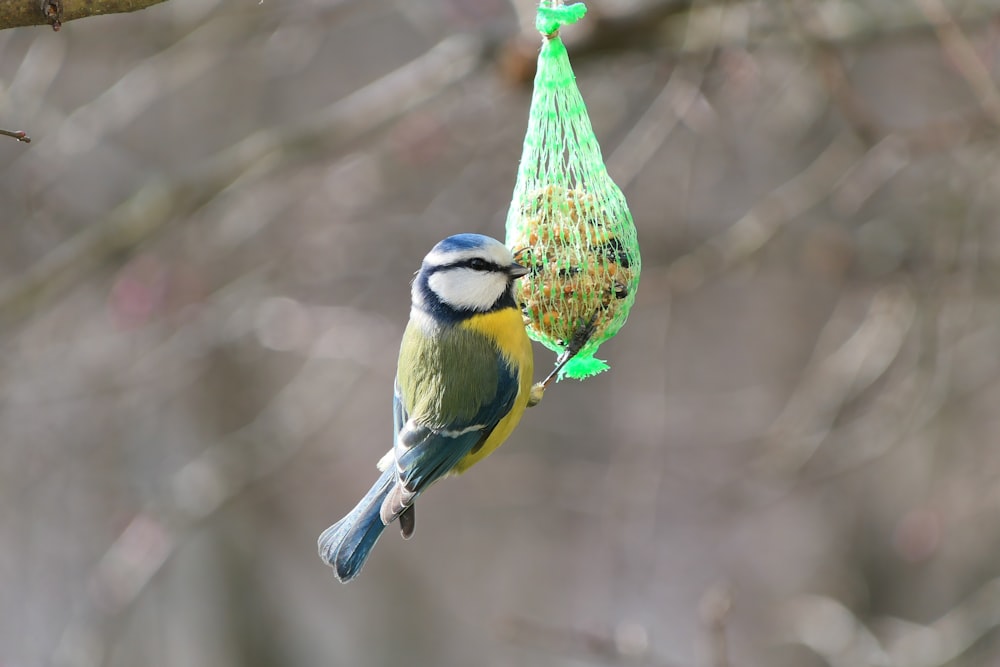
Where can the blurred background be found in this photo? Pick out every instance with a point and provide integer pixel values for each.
(204, 265)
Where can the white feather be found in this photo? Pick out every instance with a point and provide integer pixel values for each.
(387, 461)
(466, 289)
(423, 318)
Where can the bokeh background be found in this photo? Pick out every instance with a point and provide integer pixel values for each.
(204, 265)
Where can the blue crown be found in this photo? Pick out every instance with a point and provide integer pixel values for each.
(460, 242)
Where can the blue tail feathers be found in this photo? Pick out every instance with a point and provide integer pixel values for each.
(346, 544)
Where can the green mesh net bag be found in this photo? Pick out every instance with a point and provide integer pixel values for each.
(568, 222)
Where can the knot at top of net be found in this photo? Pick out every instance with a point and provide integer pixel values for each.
(553, 15)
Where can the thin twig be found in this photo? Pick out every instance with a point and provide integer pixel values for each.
(196, 491)
(942, 642)
(162, 200)
(809, 620)
(17, 134)
(947, 638)
(222, 470)
(833, 378)
(751, 232)
(825, 52)
(963, 55)
(648, 134)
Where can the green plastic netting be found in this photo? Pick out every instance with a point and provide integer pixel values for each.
(568, 222)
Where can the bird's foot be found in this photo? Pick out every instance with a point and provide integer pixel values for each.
(537, 392)
(580, 338)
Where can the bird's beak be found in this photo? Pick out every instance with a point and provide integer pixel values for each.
(516, 270)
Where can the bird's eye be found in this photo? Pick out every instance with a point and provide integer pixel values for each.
(477, 264)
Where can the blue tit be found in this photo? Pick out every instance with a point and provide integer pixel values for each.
(462, 383)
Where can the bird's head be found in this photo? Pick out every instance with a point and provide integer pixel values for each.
(466, 274)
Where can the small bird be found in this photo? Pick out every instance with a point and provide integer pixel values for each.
(463, 381)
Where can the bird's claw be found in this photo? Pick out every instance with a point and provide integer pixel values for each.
(536, 394)
(580, 338)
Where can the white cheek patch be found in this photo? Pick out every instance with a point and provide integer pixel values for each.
(466, 289)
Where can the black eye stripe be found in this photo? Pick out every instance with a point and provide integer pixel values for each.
(474, 263)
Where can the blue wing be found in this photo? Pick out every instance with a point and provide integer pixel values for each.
(399, 414)
(420, 455)
(424, 454)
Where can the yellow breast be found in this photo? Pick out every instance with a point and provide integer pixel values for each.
(506, 328)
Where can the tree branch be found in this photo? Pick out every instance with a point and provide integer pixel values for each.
(17, 134)
(20, 13)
